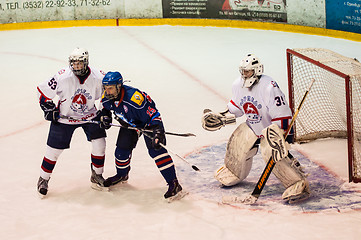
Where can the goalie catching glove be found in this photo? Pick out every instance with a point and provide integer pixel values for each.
(214, 121)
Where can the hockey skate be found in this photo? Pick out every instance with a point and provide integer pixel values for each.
(111, 181)
(174, 191)
(97, 181)
(42, 187)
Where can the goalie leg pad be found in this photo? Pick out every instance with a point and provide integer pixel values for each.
(239, 155)
(274, 143)
(297, 192)
(226, 177)
(288, 170)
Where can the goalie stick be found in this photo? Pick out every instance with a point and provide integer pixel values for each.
(129, 127)
(269, 166)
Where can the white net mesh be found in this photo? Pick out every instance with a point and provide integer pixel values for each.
(324, 113)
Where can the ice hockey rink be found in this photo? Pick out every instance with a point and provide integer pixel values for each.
(184, 69)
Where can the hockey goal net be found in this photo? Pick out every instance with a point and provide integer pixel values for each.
(333, 107)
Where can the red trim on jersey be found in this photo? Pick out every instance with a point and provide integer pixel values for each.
(157, 119)
(81, 79)
(281, 120)
(235, 105)
(122, 92)
(43, 95)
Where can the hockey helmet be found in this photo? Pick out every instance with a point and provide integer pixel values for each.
(112, 79)
(251, 70)
(78, 61)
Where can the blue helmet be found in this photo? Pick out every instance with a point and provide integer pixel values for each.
(110, 79)
(113, 78)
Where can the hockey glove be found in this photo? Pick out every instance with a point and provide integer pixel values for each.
(51, 112)
(158, 137)
(105, 122)
(214, 121)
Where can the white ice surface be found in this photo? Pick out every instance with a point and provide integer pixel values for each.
(184, 69)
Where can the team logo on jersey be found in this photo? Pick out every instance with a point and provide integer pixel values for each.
(137, 98)
(252, 113)
(79, 101)
(274, 84)
(61, 71)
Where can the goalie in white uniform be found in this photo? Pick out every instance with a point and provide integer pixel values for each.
(259, 98)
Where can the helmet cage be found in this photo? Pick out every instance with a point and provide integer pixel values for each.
(250, 62)
(79, 61)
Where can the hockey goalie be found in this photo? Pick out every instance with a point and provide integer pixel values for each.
(259, 98)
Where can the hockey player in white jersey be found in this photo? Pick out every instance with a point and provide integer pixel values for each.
(76, 87)
(259, 98)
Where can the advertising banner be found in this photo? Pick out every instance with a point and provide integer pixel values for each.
(53, 10)
(256, 10)
(344, 15)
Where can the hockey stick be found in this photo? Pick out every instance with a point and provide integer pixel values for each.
(145, 132)
(166, 148)
(129, 127)
(271, 163)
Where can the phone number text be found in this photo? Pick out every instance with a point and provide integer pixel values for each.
(54, 4)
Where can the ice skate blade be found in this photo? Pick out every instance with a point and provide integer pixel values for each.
(97, 187)
(293, 200)
(41, 196)
(119, 183)
(178, 196)
(249, 200)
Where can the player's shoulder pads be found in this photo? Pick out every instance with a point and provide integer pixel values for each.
(134, 96)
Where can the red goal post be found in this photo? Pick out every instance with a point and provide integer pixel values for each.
(333, 108)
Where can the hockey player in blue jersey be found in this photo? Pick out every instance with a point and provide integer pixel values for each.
(132, 107)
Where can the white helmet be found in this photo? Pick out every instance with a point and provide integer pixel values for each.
(79, 55)
(250, 62)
